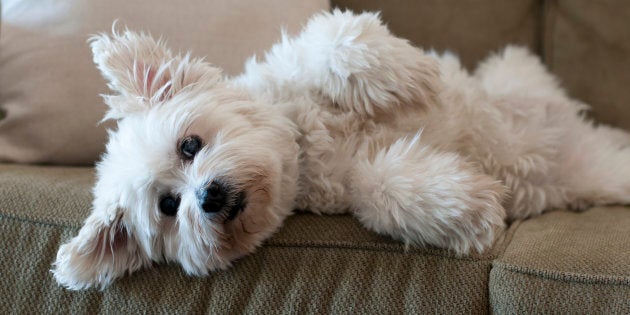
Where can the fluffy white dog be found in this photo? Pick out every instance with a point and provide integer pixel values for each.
(345, 117)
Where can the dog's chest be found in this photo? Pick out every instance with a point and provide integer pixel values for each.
(331, 143)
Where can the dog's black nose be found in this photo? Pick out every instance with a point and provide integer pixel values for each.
(214, 197)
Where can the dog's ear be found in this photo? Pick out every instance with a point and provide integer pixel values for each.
(144, 72)
(104, 250)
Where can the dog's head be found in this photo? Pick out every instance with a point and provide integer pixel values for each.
(196, 173)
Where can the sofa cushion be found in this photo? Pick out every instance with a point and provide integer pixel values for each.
(469, 28)
(587, 43)
(567, 262)
(318, 264)
(49, 88)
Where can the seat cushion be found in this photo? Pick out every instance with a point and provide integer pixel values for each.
(567, 262)
(322, 264)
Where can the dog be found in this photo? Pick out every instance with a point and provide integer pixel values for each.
(342, 118)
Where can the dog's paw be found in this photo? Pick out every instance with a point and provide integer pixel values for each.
(461, 215)
(463, 226)
(580, 205)
(356, 61)
(426, 197)
(475, 227)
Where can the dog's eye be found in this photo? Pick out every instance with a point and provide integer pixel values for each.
(189, 147)
(169, 205)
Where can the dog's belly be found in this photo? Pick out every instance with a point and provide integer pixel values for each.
(325, 163)
(520, 141)
(332, 143)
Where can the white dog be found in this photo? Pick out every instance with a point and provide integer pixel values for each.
(345, 117)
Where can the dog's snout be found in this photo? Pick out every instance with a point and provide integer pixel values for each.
(213, 198)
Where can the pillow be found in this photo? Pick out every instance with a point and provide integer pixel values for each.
(49, 88)
(588, 47)
(471, 29)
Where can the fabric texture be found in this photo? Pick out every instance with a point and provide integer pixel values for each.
(566, 261)
(463, 27)
(587, 44)
(560, 262)
(314, 264)
(49, 87)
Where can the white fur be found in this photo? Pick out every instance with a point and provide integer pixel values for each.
(344, 117)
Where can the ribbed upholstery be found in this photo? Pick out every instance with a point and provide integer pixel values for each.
(314, 264)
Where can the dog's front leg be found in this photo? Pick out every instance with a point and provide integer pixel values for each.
(426, 197)
(351, 60)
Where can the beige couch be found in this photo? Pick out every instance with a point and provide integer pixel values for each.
(560, 262)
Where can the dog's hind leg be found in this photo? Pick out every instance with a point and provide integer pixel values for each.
(619, 137)
(425, 197)
(353, 61)
(595, 167)
(515, 71)
(593, 163)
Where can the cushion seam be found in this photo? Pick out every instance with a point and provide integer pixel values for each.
(509, 236)
(570, 277)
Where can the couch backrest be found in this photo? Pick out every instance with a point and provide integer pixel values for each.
(586, 43)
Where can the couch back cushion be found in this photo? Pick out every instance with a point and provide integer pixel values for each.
(585, 43)
(471, 29)
(49, 88)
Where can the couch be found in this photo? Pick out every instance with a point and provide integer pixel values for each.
(559, 262)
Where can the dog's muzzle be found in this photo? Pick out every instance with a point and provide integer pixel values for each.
(220, 197)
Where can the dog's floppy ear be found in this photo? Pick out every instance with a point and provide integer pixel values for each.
(144, 72)
(104, 250)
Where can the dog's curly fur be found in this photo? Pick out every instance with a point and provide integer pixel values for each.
(344, 117)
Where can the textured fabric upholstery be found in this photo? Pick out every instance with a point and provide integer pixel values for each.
(566, 262)
(316, 264)
(469, 28)
(560, 262)
(585, 43)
